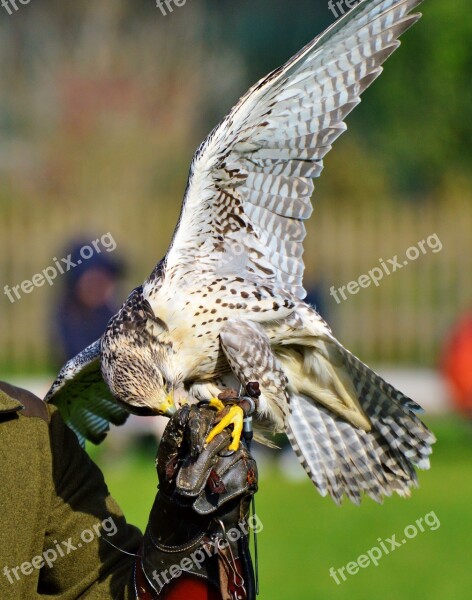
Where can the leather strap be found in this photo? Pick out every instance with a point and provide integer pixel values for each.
(32, 405)
(231, 578)
(142, 588)
(185, 588)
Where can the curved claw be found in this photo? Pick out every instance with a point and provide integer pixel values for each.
(216, 403)
(234, 417)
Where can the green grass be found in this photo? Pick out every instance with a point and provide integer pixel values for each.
(304, 534)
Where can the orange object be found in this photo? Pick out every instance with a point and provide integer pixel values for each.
(456, 363)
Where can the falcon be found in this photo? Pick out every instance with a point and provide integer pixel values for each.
(224, 309)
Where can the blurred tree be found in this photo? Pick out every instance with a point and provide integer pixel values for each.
(103, 104)
(421, 108)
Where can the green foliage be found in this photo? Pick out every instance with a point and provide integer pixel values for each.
(417, 115)
(422, 106)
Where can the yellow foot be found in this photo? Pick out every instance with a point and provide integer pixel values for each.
(234, 417)
(217, 404)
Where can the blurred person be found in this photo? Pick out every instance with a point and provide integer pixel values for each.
(456, 363)
(87, 301)
(63, 536)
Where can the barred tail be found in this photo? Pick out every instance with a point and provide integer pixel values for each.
(343, 458)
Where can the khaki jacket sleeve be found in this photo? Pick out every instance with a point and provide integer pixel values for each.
(56, 514)
(85, 525)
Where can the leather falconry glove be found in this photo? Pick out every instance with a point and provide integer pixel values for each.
(199, 524)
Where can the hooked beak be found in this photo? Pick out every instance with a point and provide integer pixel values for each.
(167, 407)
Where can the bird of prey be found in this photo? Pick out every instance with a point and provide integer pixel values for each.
(225, 306)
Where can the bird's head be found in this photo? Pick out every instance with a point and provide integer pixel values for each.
(134, 358)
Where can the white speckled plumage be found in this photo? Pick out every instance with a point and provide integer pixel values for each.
(225, 305)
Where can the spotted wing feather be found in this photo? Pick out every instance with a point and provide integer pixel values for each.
(251, 180)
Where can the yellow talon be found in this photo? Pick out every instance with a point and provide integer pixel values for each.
(235, 417)
(216, 403)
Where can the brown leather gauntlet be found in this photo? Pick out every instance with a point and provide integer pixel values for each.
(199, 522)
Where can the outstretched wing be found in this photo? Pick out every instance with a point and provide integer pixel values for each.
(250, 181)
(83, 398)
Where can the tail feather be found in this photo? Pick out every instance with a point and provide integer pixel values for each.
(391, 413)
(360, 449)
(363, 462)
(341, 457)
(349, 471)
(329, 452)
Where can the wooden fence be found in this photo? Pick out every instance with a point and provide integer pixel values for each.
(99, 133)
(402, 319)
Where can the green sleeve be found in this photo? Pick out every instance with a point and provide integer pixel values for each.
(82, 517)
